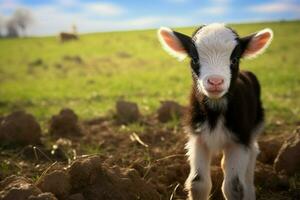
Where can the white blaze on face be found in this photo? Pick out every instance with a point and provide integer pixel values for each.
(215, 44)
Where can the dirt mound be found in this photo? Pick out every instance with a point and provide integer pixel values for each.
(56, 182)
(266, 177)
(88, 178)
(152, 166)
(269, 147)
(36, 62)
(20, 127)
(14, 188)
(169, 110)
(127, 112)
(65, 124)
(288, 158)
(123, 54)
(75, 59)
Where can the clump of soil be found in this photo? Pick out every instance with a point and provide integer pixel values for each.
(127, 112)
(43, 196)
(75, 59)
(58, 65)
(269, 147)
(266, 177)
(82, 170)
(65, 124)
(288, 158)
(77, 196)
(1, 118)
(56, 182)
(15, 187)
(20, 127)
(36, 62)
(153, 166)
(89, 178)
(123, 54)
(169, 110)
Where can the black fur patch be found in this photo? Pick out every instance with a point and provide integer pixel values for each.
(237, 191)
(196, 178)
(244, 111)
(188, 45)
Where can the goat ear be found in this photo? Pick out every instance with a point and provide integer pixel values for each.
(176, 44)
(256, 43)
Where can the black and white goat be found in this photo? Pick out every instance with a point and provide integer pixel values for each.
(225, 112)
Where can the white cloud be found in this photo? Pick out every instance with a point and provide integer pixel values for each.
(52, 20)
(217, 7)
(8, 6)
(104, 9)
(214, 10)
(156, 21)
(276, 7)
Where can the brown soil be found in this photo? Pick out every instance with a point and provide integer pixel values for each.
(146, 163)
(21, 128)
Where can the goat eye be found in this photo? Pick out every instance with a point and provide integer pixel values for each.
(234, 61)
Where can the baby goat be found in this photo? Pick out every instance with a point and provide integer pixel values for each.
(225, 112)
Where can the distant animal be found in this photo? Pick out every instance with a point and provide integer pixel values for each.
(65, 37)
(225, 112)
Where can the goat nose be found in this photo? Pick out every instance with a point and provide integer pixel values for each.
(215, 80)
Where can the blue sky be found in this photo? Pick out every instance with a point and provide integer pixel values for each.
(54, 16)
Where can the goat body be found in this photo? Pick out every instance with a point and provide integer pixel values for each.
(225, 112)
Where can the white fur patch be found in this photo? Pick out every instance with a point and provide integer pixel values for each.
(179, 55)
(266, 30)
(199, 157)
(220, 136)
(215, 43)
(217, 138)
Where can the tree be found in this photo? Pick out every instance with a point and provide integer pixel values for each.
(22, 18)
(12, 28)
(1, 25)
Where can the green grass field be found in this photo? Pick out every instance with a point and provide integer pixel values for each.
(133, 66)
